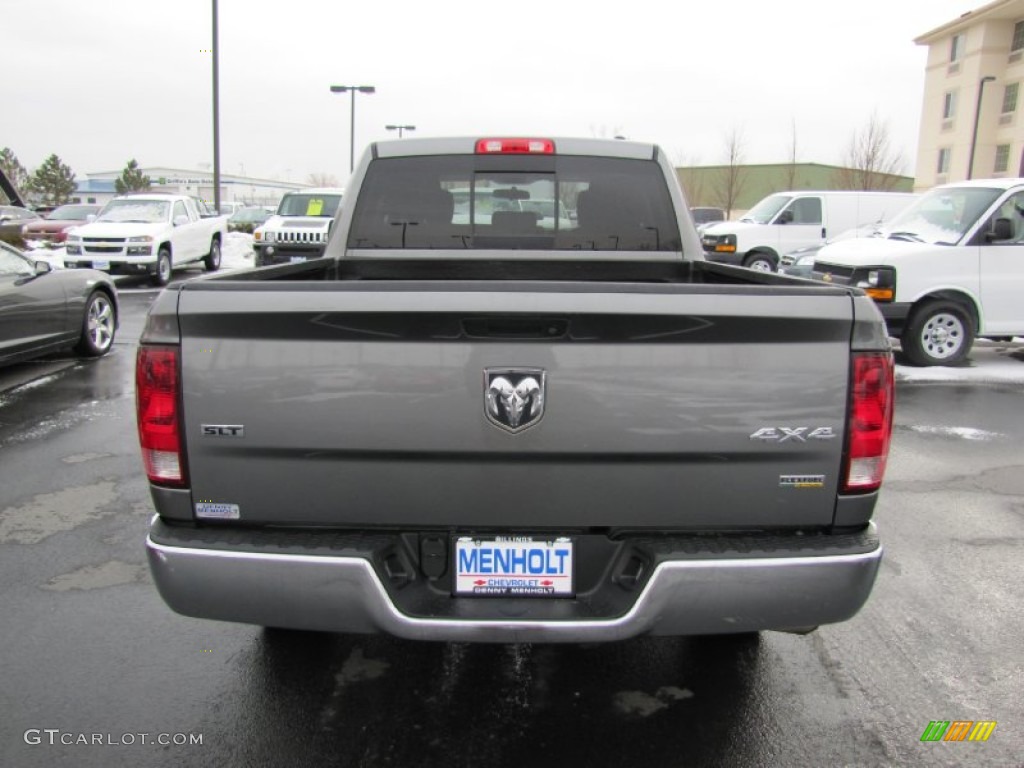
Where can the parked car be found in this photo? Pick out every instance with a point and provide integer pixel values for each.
(800, 263)
(54, 228)
(13, 218)
(43, 310)
(247, 219)
(945, 271)
(299, 229)
(704, 216)
(785, 221)
(148, 234)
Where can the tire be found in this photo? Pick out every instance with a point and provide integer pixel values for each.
(212, 260)
(760, 262)
(939, 333)
(164, 267)
(99, 324)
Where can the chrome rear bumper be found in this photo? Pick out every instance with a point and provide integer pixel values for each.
(345, 594)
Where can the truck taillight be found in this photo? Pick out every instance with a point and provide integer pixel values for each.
(872, 395)
(156, 406)
(515, 147)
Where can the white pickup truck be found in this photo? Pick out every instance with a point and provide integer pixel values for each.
(148, 234)
(948, 269)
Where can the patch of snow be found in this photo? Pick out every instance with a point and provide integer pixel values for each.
(966, 433)
(237, 252)
(990, 362)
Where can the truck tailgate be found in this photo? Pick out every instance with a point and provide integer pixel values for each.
(665, 406)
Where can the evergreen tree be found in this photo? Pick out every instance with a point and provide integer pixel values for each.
(14, 170)
(132, 179)
(53, 182)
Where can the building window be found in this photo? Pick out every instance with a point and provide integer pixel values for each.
(943, 167)
(956, 48)
(1002, 158)
(949, 105)
(1010, 98)
(1018, 37)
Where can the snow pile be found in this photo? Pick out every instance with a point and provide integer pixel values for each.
(989, 363)
(237, 252)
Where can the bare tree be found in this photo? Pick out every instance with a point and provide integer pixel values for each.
(691, 179)
(870, 162)
(732, 176)
(791, 167)
(322, 180)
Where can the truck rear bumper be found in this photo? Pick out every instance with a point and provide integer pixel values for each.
(684, 595)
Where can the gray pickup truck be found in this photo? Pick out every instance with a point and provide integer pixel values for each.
(470, 421)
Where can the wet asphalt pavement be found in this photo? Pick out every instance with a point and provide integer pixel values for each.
(96, 670)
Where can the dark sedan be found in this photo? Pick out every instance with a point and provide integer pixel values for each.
(54, 228)
(43, 310)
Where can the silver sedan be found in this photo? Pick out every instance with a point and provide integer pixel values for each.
(44, 310)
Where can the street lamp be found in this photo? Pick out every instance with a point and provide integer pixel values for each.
(352, 131)
(977, 116)
(400, 128)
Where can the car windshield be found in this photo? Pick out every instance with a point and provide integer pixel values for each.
(514, 202)
(140, 211)
(248, 214)
(72, 212)
(766, 210)
(307, 204)
(941, 216)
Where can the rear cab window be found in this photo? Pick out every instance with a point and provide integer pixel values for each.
(486, 202)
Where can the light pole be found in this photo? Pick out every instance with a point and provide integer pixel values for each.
(977, 116)
(400, 128)
(216, 112)
(352, 130)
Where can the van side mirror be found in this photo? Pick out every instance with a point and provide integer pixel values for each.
(1002, 229)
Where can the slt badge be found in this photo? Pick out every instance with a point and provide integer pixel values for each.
(514, 397)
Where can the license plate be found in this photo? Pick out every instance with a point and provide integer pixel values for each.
(100, 264)
(514, 566)
(295, 259)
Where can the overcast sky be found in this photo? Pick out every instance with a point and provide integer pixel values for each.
(99, 83)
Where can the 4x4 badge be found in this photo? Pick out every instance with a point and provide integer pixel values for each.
(514, 397)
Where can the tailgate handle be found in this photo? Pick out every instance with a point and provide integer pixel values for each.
(515, 327)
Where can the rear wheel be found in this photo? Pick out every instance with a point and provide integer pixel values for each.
(939, 333)
(99, 324)
(212, 260)
(162, 274)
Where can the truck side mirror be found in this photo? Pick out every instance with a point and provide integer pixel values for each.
(179, 220)
(1002, 229)
(785, 217)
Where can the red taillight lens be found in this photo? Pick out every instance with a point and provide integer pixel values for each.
(515, 147)
(156, 407)
(872, 394)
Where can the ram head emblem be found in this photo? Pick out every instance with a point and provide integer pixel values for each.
(514, 397)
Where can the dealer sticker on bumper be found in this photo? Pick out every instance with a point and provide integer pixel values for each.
(514, 566)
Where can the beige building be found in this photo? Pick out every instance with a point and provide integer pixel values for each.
(971, 121)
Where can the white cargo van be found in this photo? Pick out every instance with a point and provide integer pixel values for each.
(786, 221)
(948, 269)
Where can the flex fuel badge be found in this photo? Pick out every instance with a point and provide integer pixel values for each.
(802, 481)
(209, 510)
